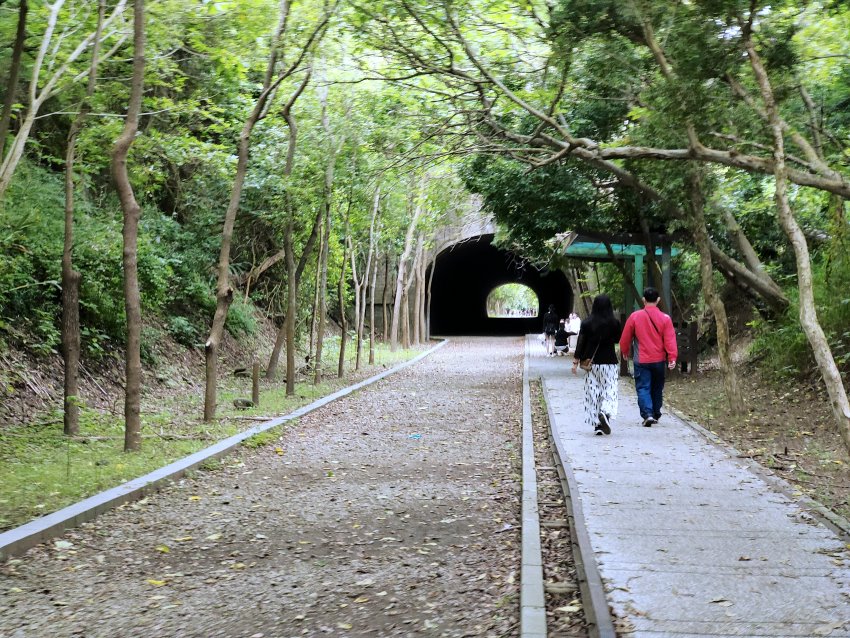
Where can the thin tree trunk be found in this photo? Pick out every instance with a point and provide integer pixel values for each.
(343, 322)
(808, 312)
(293, 282)
(404, 312)
(291, 312)
(132, 213)
(372, 312)
(317, 285)
(385, 299)
(400, 275)
(724, 345)
(14, 72)
(323, 284)
(70, 277)
(37, 97)
(428, 301)
(224, 289)
(363, 284)
(416, 272)
(358, 285)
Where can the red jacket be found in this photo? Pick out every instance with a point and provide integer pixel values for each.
(656, 343)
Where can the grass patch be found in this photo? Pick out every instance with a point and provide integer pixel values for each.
(42, 471)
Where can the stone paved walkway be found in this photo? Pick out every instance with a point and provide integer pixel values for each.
(689, 540)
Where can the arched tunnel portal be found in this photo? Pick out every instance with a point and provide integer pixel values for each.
(466, 273)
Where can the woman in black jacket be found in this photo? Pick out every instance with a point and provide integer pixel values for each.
(550, 327)
(596, 339)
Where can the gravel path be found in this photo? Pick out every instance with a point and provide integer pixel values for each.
(392, 512)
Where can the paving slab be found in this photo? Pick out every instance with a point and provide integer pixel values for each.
(688, 539)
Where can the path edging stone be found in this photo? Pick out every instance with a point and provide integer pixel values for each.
(18, 540)
(532, 597)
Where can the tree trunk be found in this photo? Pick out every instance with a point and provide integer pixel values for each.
(38, 96)
(417, 283)
(372, 289)
(291, 315)
(358, 285)
(132, 212)
(343, 322)
(14, 72)
(808, 312)
(400, 275)
(428, 301)
(317, 286)
(323, 284)
(724, 346)
(293, 282)
(385, 299)
(362, 284)
(224, 289)
(70, 277)
(422, 272)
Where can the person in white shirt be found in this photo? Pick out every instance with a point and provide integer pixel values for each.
(573, 327)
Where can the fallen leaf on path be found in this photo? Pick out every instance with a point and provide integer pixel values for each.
(156, 583)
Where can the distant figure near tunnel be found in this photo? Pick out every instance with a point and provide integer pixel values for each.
(466, 273)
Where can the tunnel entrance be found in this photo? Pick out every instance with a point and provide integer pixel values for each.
(464, 276)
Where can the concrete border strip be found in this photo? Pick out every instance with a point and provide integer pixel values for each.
(532, 598)
(596, 609)
(18, 540)
(835, 522)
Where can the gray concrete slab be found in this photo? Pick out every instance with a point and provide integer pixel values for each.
(688, 539)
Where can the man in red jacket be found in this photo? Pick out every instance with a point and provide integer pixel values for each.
(650, 339)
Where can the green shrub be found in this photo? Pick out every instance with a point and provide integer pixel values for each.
(182, 330)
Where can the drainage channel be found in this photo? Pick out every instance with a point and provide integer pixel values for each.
(575, 598)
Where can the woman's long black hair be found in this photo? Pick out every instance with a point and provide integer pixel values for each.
(602, 314)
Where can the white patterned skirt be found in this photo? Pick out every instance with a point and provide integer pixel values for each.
(601, 392)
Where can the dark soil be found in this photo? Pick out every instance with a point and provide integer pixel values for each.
(392, 512)
(564, 609)
(788, 428)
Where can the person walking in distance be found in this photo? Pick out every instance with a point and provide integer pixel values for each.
(650, 340)
(550, 327)
(596, 339)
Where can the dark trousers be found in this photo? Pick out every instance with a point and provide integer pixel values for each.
(649, 384)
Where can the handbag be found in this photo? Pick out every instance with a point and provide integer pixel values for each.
(587, 364)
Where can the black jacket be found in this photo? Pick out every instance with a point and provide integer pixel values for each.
(602, 344)
(550, 323)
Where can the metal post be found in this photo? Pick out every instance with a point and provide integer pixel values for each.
(255, 384)
(666, 254)
(638, 278)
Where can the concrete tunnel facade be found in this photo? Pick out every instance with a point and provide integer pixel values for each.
(466, 273)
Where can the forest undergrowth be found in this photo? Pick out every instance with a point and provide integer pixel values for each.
(788, 427)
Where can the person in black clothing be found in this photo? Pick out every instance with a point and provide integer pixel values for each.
(550, 327)
(596, 339)
(562, 339)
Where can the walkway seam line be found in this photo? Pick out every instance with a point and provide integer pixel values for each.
(592, 588)
(19, 539)
(532, 597)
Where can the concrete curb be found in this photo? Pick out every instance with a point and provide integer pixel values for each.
(596, 609)
(18, 540)
(532, 599)
(838, 524)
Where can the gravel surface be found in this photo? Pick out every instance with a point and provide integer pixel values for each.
(392, 512)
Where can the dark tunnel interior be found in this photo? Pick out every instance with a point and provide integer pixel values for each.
(466, 273)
